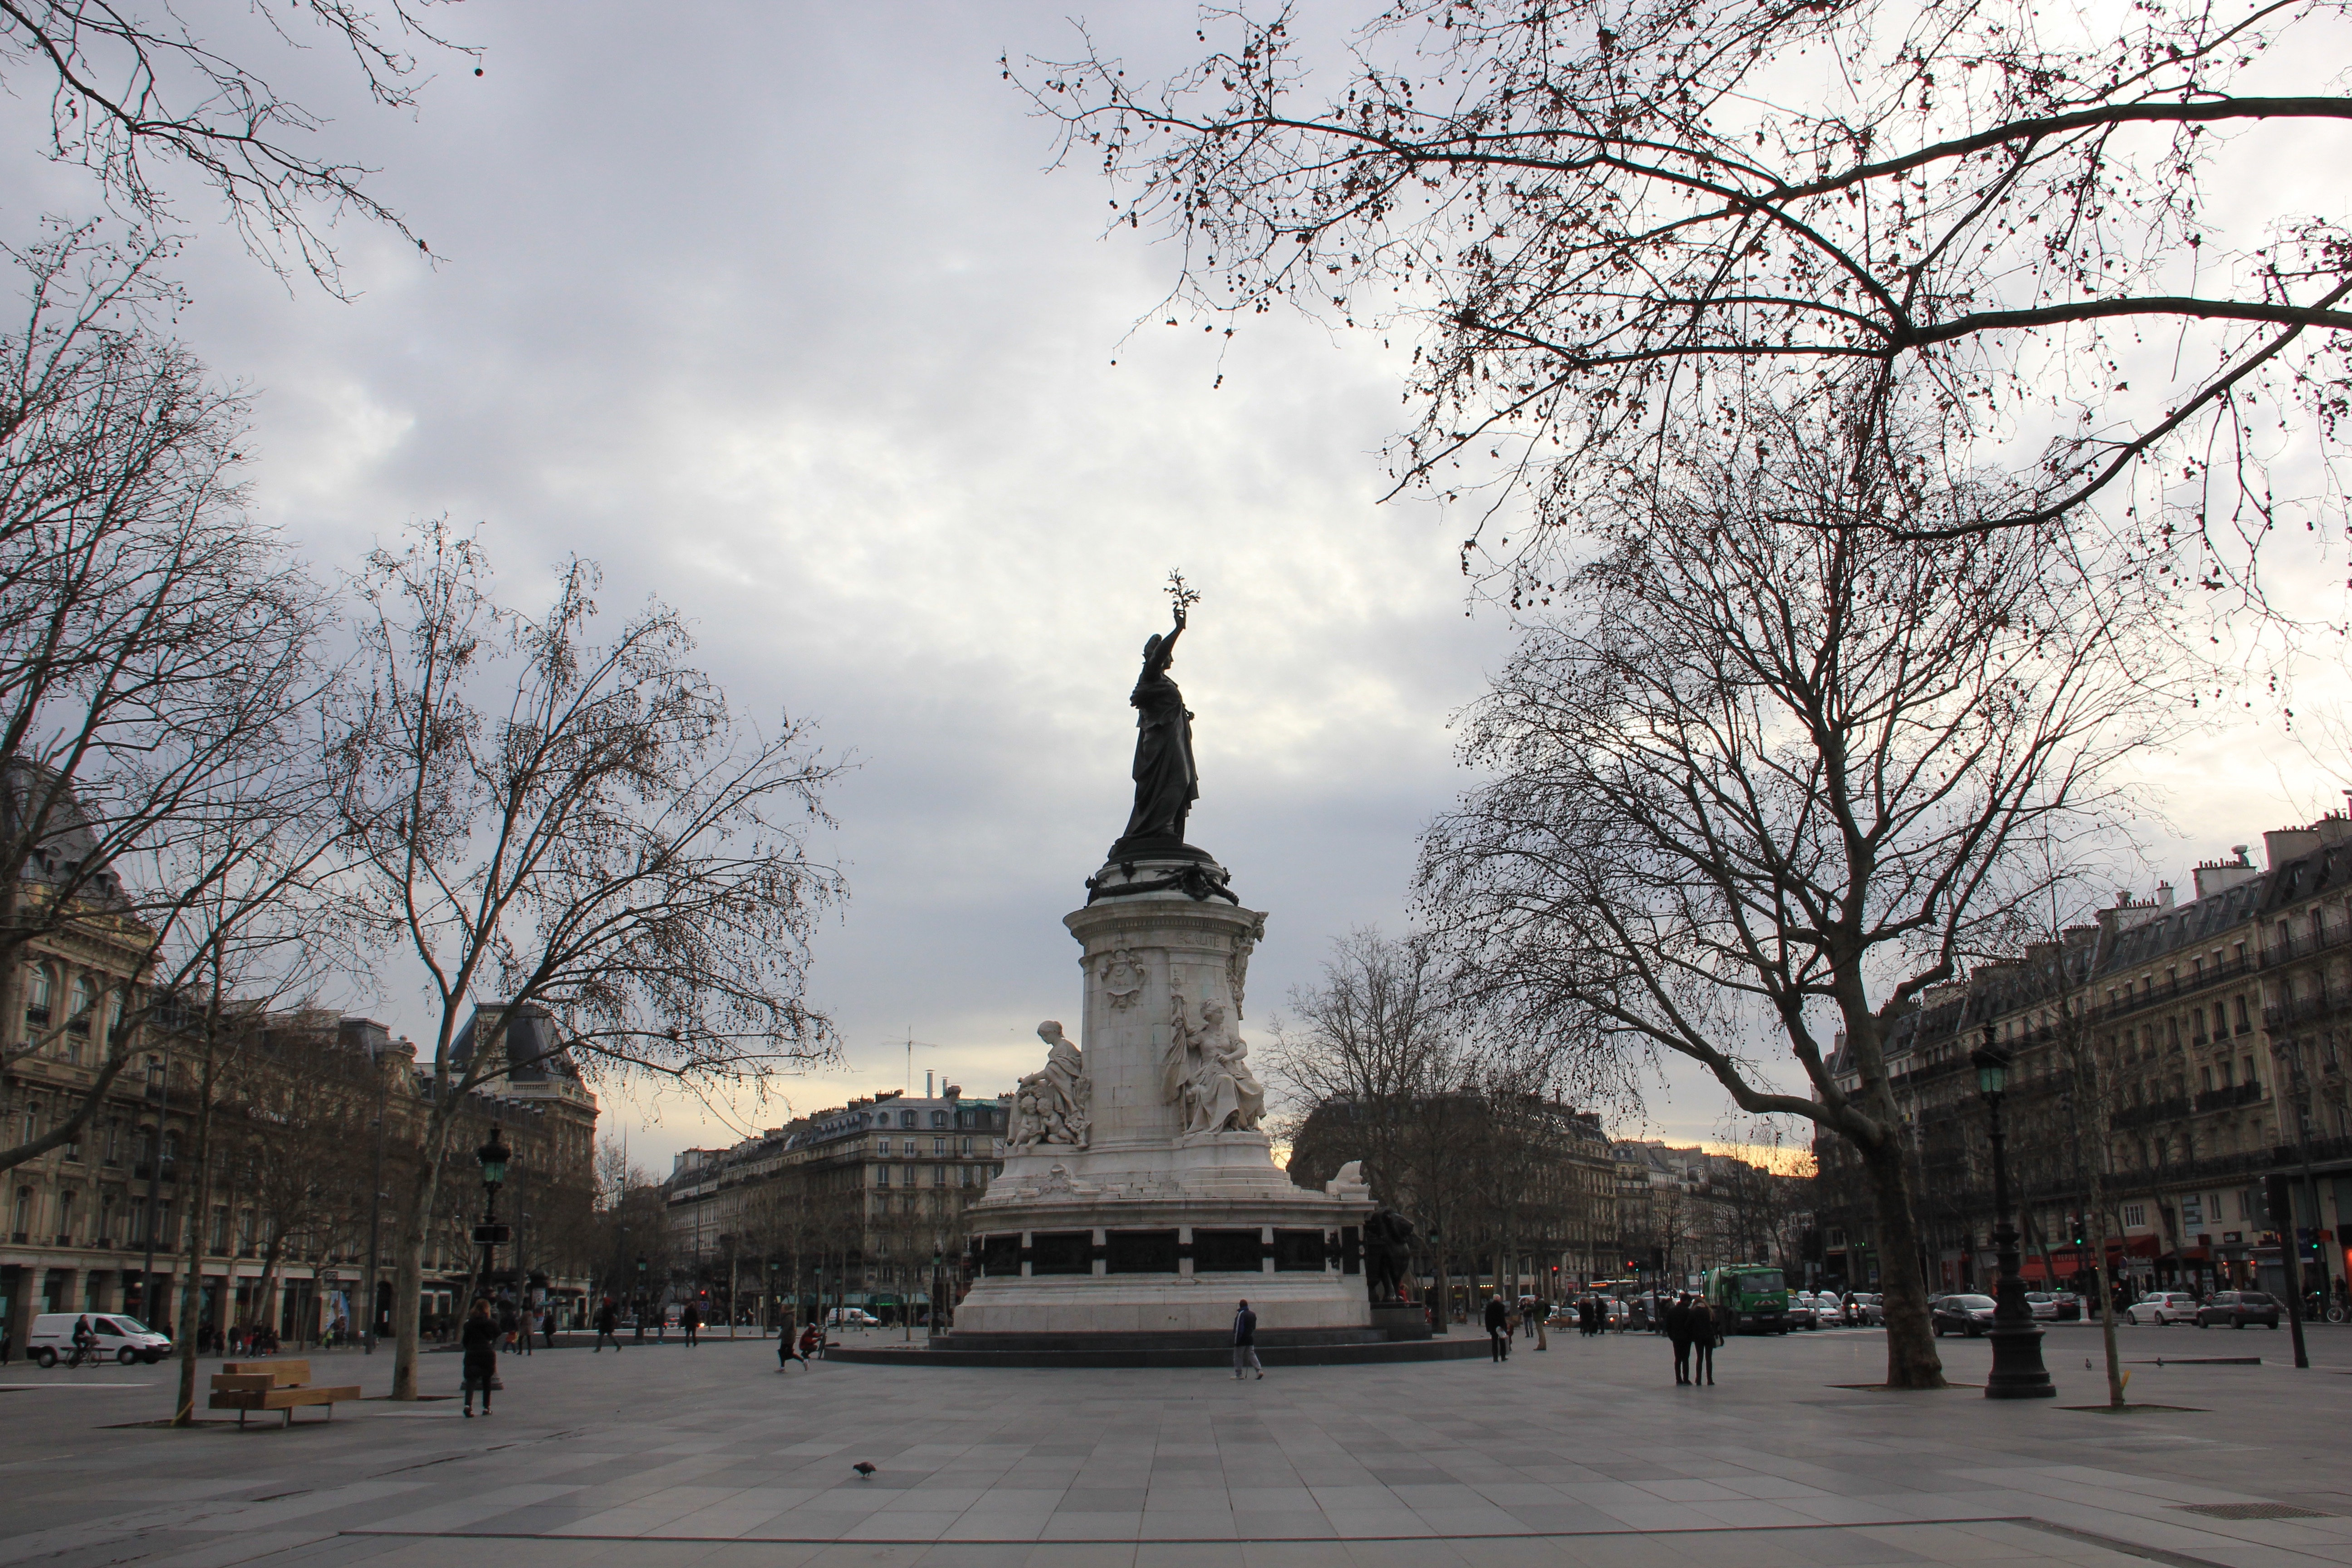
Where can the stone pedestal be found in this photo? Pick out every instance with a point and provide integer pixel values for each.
(1157, 1224)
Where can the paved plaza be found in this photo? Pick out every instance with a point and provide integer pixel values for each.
(1586, 1455)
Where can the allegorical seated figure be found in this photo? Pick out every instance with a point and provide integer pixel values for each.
(1050, 1106)
(1207, 1072)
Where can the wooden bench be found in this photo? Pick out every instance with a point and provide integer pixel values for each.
(246, 1385)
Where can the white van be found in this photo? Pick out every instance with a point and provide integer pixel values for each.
(120, 1339)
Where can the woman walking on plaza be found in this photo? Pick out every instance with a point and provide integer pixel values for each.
(480, 1339)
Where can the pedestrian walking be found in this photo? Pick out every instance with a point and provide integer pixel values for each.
(529, 1328)
(479, 1338)
(1498, 1329)
(608, 1324)
(691, 1321)
(786, 1355)
(8, 1344)
(1245, 1340)
(1706, 1333)
(1679, 1330)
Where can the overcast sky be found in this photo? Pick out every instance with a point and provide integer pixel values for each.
(773, 310)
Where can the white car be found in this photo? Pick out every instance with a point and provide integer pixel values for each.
(851, 1318)
(121, 1340)
(2163, 1307)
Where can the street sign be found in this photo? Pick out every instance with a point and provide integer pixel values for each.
(492, 1234)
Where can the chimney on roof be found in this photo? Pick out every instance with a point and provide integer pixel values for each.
(926, 1083)
(2281, 845)
(2164, 895)
(2220, 876)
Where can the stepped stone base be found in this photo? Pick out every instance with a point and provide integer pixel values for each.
(1303, 1348)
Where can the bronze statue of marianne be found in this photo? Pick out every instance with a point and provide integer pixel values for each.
(1166, 783)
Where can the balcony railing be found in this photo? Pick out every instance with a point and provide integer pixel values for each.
(2180, 985)
(2229, 1099)
(2169, 1109)
(2303, 945)
(2303, 1009)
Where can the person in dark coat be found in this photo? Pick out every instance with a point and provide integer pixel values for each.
(1245, 1340)
(691, 1321)
(608, 1326)
(1679, 1330)
(1498, 1327)
(1706, 1333)
(480, 1339)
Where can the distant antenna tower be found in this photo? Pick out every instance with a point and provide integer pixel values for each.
(910, 1043)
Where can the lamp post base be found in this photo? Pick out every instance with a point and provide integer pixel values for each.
(2017, 1369)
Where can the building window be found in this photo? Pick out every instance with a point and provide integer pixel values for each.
(939, 1119)
(37, 985)
(84, 999)
(2250, 1070)
(881, 1175)
(2205, 1079)
(938, 1147)
(2134, 1216)
(906, 1119)
(65, 1218)
(2240, 1003)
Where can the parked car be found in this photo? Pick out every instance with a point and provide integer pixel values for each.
(1961, 1314)
(2236, 1308)
(2070, 1305)
(121, 1340)
(851, 1318)
(1828, 1311)
(2042, 1305)
(2163, 1307)
(1801, 1312)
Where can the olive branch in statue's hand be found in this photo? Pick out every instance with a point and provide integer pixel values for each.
(1182, 596)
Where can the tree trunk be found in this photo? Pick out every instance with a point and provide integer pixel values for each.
(2106, 1286)
(408, 1277)
(1911, 1358)
(183, 1411)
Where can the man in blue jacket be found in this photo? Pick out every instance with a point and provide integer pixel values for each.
(1245, 1340)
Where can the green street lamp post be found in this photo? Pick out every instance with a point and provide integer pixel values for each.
(2017, 1370)
(493, 1157)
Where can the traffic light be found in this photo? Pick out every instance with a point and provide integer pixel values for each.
(2074, 1228)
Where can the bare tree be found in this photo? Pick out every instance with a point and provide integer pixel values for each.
(137, 94)
(583, 825)
(1778, 773)
(157, 659)
(1593, 217)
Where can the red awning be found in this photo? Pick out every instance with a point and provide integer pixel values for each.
(2031, 1268)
